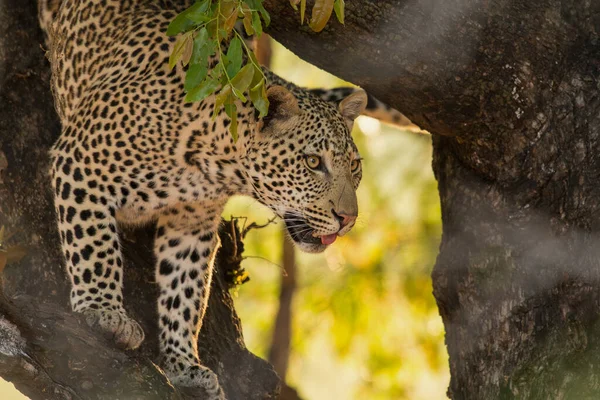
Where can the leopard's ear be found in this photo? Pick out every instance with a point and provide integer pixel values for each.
(283, 106)
(352, 106)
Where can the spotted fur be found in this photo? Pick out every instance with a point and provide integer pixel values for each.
(131, 151)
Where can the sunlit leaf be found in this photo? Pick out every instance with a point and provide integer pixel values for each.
(321, 13)
(302, 11)
(186, 54)
(230, 14)
(338, 7)
(179, 49)
(242, 81)
(221, 98)
(258, 96)
(247, 19)
(256, 79)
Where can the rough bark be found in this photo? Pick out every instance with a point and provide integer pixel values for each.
(510, 91)
(45, 350)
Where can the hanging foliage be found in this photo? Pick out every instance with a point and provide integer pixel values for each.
(208, 35)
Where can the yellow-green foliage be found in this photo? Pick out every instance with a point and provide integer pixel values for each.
(365, 321)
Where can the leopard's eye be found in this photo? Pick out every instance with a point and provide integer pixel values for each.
(355, 166)
(312, 161)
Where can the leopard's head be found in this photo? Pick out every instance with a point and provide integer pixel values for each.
(304, 165)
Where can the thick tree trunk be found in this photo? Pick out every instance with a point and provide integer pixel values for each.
(45, 350)
(510, 89)
(513, 88)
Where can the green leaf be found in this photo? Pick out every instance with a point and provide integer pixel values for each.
(221, 98)
(257, 5)
(338, 7)
(180, 24)
(234, 57)
(204, 48)
(178, 50)
(188, 47)
(256, 24)
(247, 19)
(229, 10)
(231, 111)
(258, 76)
(241, 82)
(258, 95)
(302, 11)
(321, 13)
(202, 91)
(199, 12)
(195, 74)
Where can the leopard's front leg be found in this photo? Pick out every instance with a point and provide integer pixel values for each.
(185, 247)
(90, 244)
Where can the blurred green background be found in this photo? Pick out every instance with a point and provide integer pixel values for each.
(365, 323)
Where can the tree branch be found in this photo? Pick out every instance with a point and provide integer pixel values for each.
(509, 90)
(48, 349)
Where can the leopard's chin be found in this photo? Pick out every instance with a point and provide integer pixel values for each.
(311, 248)
(303, 235)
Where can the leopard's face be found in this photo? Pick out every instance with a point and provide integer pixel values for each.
(306, 167)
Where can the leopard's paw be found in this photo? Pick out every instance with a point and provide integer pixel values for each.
(198, 376)
(116, 325)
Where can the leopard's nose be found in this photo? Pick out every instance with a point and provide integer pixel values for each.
(344, 219)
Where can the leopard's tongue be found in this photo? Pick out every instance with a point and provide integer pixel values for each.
(328, 239)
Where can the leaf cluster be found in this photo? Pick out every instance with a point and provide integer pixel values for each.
(321, 12)
(208, 36)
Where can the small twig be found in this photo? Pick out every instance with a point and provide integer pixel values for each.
(254, 225)
(269, 261)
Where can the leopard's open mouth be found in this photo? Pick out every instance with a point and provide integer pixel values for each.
(299, 229)
(301, 232)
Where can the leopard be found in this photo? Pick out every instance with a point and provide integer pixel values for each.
(132, 152)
